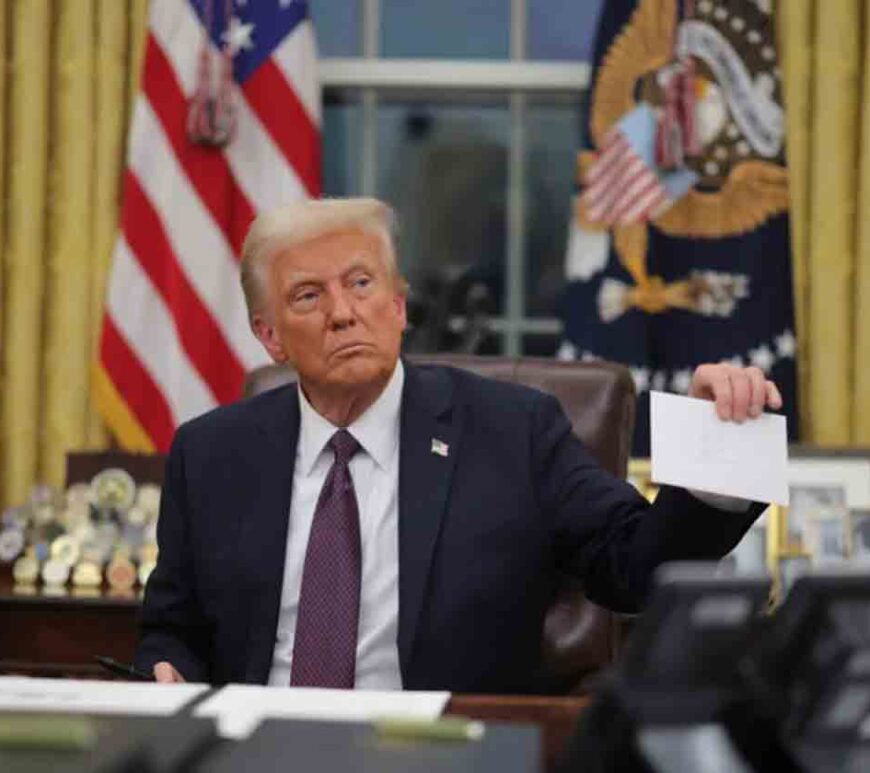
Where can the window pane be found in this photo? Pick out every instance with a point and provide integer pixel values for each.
(342, 120)
(562, 29)
(338, 24)
(462, 29)
(443, 167)
(553, 131)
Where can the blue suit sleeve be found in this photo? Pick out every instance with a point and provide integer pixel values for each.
(605, 533)
(172, 625)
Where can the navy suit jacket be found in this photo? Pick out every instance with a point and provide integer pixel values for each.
(485, 533)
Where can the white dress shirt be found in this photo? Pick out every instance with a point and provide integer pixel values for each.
(375, 473)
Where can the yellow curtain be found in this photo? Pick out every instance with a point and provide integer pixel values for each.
(69, 75)
(825, 61)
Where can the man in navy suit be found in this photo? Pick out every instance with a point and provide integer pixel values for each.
(387, 525)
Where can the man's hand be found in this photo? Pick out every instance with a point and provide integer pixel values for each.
(739, 393)
(165, 672)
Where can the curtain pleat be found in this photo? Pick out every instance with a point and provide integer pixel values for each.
(110, 93)
(861, 351)
(826, 70)
(24, 256)
(836, 111)
(794, 21)
(70, 245)
(71, 72)
(4, 111)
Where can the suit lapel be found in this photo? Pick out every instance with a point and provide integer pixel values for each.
(429, 444)
(264, 539)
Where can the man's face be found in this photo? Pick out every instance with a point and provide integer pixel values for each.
(333, 311)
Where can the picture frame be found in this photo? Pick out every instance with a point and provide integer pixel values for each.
(828, 515)
(818, 522)
(859, 533)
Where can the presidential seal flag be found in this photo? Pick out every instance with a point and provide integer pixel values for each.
(227, 124)
(678, 250)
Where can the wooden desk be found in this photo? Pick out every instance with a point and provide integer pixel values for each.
(47, 635)
(557, 716)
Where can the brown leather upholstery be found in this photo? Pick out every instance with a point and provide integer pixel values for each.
(598, 397)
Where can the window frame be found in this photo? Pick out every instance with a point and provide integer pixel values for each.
(372, 76)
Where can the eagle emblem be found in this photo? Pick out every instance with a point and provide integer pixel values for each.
(698, 98)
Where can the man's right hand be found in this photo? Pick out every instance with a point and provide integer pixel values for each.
(165, 672)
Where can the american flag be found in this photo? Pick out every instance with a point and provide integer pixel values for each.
(624, 185)
(175, 339)
(620, 188)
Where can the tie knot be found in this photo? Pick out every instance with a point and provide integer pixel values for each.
(344, 446)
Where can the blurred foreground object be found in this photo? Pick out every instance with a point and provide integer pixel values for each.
(708, 684)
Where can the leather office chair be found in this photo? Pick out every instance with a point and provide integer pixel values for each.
(580, 638)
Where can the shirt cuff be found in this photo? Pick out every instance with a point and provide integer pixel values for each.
(721, 501)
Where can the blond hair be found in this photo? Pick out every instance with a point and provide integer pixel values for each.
(302, 221)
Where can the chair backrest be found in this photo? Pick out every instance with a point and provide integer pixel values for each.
(598, 398)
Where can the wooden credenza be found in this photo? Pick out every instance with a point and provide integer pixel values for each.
(48, 634)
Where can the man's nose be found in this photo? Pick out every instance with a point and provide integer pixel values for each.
(341, 312)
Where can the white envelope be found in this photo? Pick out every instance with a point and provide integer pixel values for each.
(691, 447)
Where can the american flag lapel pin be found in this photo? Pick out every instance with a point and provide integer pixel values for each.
(439, 447)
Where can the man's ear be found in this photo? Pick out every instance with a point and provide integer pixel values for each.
(267, 335)
(401, 301)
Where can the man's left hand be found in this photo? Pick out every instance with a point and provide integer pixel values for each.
(739, 393)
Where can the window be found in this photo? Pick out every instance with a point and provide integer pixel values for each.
(465, 116)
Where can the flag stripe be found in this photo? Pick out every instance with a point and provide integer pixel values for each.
(206, 168)
(627, 166)
(294, 57)
(605, 194)
(200, 335)
(253, 151)
(199, 246)
(286, 120)
(141, 316)
(643, 182)
(142, 395)
(610, 156)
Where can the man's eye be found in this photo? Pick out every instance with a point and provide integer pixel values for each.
(362, 281)
(305, 299)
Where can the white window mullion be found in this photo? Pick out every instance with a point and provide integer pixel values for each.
(453, 75)
(371, 32)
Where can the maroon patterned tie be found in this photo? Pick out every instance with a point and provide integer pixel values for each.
(324, 650)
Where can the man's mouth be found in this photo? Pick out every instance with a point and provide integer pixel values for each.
(347, 350)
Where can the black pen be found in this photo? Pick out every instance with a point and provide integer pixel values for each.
(122, 669)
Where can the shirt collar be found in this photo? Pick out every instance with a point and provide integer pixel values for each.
(377, 430)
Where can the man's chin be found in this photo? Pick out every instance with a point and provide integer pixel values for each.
(360, 367)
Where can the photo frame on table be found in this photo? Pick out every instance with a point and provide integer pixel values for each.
(818, 521)
(859, 527)
(829, 508)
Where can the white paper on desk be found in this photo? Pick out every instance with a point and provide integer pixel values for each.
(239, 708)
(80, 696)
(691, 447)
